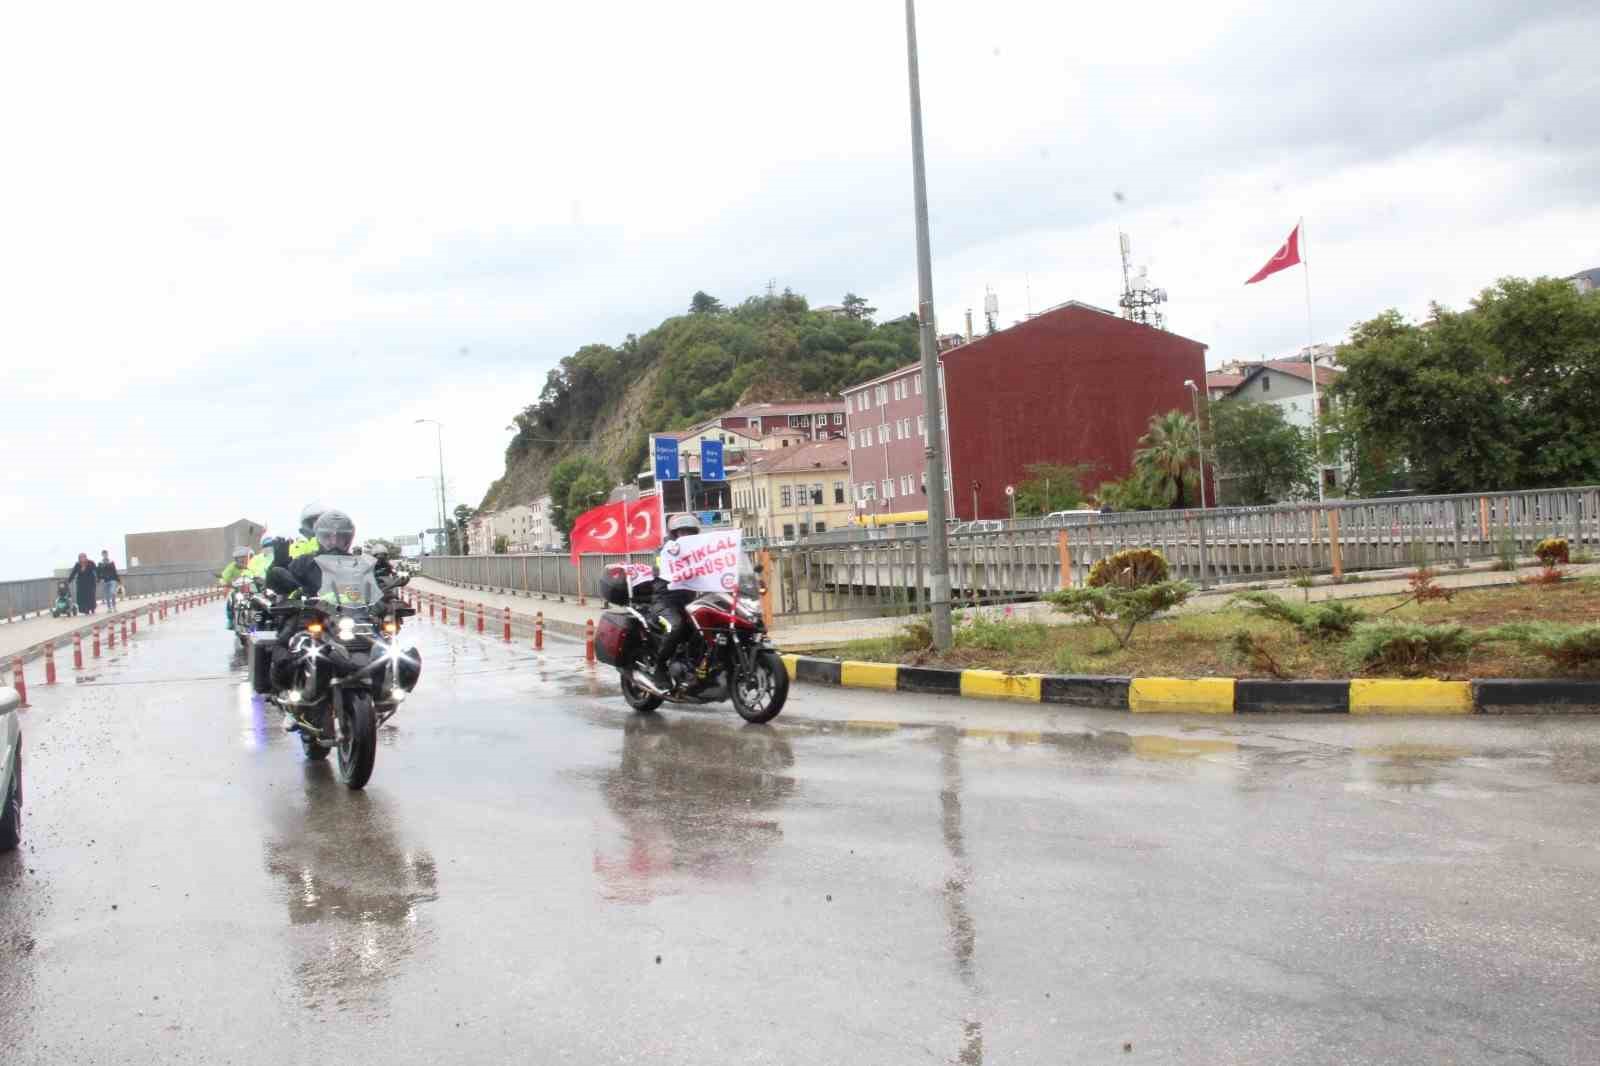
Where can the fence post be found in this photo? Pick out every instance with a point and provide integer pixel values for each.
(766, 588)
(1205, 567)
(1064, 550)
(1335, 551)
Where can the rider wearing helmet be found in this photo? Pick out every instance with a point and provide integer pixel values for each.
(307, 544)
(334, 533)
(671, 603)
(262, 560)
(240, 565)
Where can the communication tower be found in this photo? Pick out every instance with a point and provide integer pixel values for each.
(991, 307)
(1140, 301)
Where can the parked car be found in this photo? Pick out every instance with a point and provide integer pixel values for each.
(10, 771)
(1070, 518)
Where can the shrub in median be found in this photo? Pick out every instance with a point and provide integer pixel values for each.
(1552, 552)
(1129, 568)
(1409, 647)
(1320, 621)
(1571, 647)
(1119, 609)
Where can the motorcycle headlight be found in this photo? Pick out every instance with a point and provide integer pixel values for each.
(347, 629)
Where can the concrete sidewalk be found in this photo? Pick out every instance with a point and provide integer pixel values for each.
(25, 638)
(796, 634)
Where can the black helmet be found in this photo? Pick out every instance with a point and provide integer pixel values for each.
(334, 531)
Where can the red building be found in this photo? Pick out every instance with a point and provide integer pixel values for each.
(1074, 384)
(822, 420)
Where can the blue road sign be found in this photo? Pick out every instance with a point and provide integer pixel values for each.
(711, 461)
(666, 459)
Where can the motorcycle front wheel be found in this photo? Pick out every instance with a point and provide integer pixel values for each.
(358, 739)
(760, 694)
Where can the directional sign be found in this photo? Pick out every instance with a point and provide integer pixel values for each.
(711, 461)
(666, 459)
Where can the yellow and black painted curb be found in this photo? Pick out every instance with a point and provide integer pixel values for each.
(1214, 695)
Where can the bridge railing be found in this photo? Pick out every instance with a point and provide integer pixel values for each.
(887, 573)
(34, 595)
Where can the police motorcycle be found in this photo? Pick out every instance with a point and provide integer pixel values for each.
(334, 664)
(728, 657)
(243, 600)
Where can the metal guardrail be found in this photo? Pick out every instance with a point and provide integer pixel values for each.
(35, 595)
(885, 571)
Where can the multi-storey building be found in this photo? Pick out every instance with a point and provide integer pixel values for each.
(1075, 384)
(792, 492)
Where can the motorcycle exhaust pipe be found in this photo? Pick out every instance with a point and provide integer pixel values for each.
(648, 685)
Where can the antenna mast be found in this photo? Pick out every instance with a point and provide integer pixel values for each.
(1140, 300)
(991, 308)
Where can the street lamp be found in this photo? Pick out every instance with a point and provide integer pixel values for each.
(429, 478)
(1199, 438)
(439, 433)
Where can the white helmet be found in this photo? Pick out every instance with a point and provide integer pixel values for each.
(241, 552)
(683, 525)
(309, 515)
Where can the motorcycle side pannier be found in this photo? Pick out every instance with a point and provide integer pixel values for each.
(611, 635)
(261, 645)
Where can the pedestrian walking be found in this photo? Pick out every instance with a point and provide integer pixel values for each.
(106, 571)
(83, 572)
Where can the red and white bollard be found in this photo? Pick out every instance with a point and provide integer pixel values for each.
(461, 605)
(49, 662)
(133, 620)
(430, 606)
(538, 631)
(508, 625)
(161, 608)
(19, 682)
(152, 618)
(111, 635)
(77, 651)
(97, 642)
(588, 640)
(124, 631)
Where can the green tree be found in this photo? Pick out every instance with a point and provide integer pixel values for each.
(856, 307)
(502, 543)
(704, 303)
(1261, 457)
(1132, 493)
(571, 483)
(1051, 487)
(1168, 458)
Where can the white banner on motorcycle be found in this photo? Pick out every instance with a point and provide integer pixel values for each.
(638, 574)
(705, 562)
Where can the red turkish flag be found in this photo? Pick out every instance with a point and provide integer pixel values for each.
(616, 528)
(1284, 258)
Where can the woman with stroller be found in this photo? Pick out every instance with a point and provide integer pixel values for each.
(83, 572)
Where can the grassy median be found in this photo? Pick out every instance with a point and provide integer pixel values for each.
(1237, 642)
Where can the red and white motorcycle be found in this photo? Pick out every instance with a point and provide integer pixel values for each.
(730, 642)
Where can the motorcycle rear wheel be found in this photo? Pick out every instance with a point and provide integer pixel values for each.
(758, 697)
(640, 700)
(358, 741)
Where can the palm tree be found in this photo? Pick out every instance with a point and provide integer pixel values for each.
(1167, 456)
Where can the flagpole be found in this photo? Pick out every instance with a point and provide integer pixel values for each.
(1316, 413)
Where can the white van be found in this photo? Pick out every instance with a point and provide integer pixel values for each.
(1070, 518)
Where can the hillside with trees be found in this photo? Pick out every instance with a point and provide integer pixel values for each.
(604, 400)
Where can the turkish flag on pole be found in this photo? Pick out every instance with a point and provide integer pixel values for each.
(616, 528)
(1284, 258)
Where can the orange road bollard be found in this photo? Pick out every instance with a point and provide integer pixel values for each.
(19, 682)
(152, 618)
(430, 607)
(588, 640)
(508, 625)
(462, 606)
(77, 651)
(480, 618)
(124, 631)
(134, 621)
(49, 662)
(111, 635)
(97, 642)
(538, 631)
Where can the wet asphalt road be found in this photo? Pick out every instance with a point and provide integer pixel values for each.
(537, 875)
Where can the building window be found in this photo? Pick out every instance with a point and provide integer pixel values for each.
(816, 495)
(883, 394)
(852, 442)
(821, 527)
(905, 485)
(888, 489)
(788, 496)
(838, 492)
(838, 419)
(1266, 383)
(788, 531)
(753, 423)
(922, 426)
(883, 433)
(924, 488)
(869, 492)
(918, 380)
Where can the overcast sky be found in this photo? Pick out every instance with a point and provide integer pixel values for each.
(241, 251)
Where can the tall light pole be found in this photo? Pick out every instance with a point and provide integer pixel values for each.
(1199, 438)
(432, 502)
(938, 542)
(444, 515)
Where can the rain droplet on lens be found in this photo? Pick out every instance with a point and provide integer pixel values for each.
(658, 960)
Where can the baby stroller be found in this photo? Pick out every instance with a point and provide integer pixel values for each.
(65, 606)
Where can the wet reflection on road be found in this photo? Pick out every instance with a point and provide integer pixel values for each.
(963, 934)
(696, 797)
(345, 877)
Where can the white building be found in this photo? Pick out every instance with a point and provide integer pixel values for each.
(1287, 383)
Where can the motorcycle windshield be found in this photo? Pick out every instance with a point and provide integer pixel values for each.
(348, 581)
(749, 577)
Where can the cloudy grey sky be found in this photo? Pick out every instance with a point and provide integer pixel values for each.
(244, 251)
